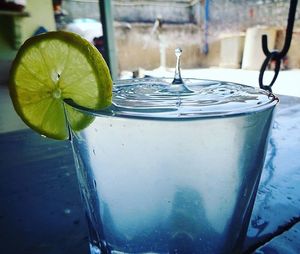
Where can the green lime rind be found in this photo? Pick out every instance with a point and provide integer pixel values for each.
(52, 67)
(77, 120)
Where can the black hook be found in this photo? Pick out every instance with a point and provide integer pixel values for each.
(275, 55)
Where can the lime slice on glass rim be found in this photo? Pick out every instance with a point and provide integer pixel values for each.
(54, 66)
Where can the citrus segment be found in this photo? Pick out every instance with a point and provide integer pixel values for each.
(52, 67)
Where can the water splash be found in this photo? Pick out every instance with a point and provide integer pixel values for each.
(177, 75)
(192, 98)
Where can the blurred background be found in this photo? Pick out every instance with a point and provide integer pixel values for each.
(144, 33)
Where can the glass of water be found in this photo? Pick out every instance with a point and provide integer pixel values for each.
(172, 166)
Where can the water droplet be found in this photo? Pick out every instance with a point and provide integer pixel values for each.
(67, 211)
(56, 93)
(177, 74)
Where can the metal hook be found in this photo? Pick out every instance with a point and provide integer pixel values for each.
(275, 55)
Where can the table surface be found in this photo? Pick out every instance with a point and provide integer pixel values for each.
(40, 209)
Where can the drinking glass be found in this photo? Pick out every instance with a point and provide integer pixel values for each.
(172, 166)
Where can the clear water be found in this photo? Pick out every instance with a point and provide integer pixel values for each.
(173, 169)
(157, 98)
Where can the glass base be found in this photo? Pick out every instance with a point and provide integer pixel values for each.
(181, 250)
(95, 250)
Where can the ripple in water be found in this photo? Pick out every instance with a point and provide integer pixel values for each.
(159, 98)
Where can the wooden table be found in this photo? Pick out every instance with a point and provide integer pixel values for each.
(40, 209)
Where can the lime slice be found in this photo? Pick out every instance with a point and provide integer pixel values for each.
(52, 67)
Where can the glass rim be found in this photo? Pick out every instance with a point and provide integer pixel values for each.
(112, 110)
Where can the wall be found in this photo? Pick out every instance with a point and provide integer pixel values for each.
(183, 25)
(225, 18)
(172, 11)
(138, 46)
(81, 9)
(15, 29)
(41, 14)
